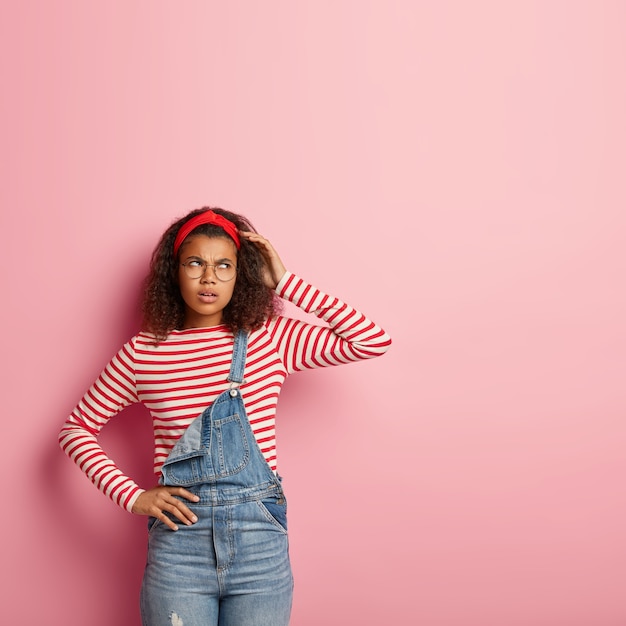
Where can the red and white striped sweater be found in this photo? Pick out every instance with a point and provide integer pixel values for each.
(178, 378)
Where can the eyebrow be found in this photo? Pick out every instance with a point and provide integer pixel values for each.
(199, 258)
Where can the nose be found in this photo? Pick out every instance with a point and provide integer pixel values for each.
(209, 275)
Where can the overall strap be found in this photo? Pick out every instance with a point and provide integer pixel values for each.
(239, 357)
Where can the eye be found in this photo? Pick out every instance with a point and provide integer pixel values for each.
(195, 263)
(224, 265)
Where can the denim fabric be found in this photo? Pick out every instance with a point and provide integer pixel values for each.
(231, 568)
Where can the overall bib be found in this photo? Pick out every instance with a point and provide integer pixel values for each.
(230, 568)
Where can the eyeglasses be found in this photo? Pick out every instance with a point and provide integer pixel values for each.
(224, 271)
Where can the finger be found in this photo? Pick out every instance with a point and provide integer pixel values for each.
(178, 508)
(187, 517)
(166, 520)
(181, 512)
(255, 237)
(265, 247)
(183, 493)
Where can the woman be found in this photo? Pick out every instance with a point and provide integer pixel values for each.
(209, 365)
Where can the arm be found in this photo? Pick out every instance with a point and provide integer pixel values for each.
(349, 335)
(110, 393)
(114, 390)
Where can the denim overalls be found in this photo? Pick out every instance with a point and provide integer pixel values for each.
(232, 566)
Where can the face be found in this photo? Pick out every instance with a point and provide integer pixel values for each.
(205, 297)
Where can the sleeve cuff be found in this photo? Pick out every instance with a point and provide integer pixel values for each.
(133, 499)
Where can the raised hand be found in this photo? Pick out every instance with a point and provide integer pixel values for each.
(274, 268)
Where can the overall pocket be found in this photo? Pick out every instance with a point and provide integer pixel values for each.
(275, 509)
(231, 446)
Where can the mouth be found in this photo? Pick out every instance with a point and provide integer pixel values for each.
(207, 296)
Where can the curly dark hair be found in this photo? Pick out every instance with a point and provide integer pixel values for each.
(163, 306)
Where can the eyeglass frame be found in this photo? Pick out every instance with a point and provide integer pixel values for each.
(205, 267)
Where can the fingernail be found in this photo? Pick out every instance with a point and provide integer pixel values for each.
(194, 519)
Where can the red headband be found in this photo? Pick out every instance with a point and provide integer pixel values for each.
(208, 217)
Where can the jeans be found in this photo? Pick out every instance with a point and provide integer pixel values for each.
(231, 568)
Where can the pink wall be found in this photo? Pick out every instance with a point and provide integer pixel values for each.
(454, 169)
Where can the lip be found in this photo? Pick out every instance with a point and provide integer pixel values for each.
(208, 297)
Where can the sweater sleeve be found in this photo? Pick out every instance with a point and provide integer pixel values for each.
(111, 392)
(348, 336)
